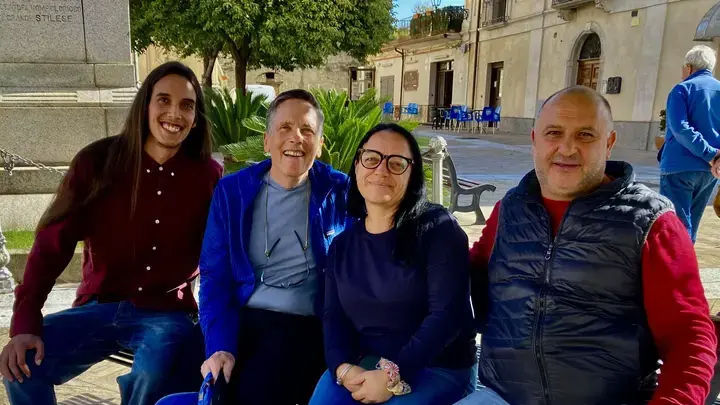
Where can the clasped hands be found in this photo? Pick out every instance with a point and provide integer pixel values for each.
(367, 386)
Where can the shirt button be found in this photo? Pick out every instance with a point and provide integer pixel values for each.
(157, 221)
(159, 192)
(147, 268)
(139, 288)
(160, 168)
(154, 247)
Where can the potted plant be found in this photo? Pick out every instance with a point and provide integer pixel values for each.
(660, 137)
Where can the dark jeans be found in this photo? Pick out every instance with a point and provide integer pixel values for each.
(167, 353)
(280, 359)
(690, 193)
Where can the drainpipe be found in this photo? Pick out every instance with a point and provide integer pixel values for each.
(477, 46)
(402, 75)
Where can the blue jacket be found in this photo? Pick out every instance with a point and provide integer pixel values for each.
(693, 121)
(227, 278)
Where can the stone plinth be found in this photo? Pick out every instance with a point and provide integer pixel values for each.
(66, 80)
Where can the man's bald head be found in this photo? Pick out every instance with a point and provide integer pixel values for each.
(572, 139)
(584, 92)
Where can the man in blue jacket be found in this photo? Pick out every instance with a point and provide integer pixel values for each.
(692, 140)
(262, 261)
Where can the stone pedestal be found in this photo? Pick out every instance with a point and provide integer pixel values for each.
(438, 149)
(66, 79)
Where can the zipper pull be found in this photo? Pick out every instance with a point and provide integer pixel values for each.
(549, 251)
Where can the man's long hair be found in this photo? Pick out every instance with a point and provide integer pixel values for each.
(124, 153)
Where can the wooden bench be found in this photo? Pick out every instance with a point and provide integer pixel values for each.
(461, 186)
(123, 357)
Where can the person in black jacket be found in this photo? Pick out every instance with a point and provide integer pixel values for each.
(592, 278)
(398, 325)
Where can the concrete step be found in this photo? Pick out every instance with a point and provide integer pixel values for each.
(31, 180)
(71, 275)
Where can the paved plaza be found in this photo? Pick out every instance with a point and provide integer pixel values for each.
(498, 159)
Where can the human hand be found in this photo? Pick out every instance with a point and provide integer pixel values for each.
(374, 387)
(716, 168)
(351, 375)
(219, 361)
(12, 358)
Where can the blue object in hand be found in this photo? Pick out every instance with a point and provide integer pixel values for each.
(210, 394)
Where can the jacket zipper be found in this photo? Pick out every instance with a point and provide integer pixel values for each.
(542, 303)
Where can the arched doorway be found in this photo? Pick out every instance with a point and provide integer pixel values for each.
(588, 63)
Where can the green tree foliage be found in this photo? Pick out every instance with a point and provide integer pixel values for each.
(173, 25)
(277, 34)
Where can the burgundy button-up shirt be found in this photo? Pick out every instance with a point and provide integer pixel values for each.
(148, 259)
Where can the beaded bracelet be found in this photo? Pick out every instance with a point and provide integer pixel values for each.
(395, 384)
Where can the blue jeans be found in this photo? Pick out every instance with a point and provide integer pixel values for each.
(431, 386)
(78, 338)
(483, 396)
(690, 193)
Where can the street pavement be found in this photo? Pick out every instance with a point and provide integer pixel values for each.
(503, 159)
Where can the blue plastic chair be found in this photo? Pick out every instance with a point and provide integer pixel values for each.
(494, 117)
(411, 109)
(388, 109)
(454, 115)
(487, 116)
(210, 394)
(478, 116)
(445, 118)
(464, 115)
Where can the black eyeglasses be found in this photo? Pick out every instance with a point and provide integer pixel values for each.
(268, 253)
(396, 164)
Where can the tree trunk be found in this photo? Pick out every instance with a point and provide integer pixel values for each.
(241, 73)
(208, 66)
(241, 55)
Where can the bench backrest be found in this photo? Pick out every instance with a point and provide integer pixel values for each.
(449, 172)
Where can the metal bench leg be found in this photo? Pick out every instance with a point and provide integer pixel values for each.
(479, 217)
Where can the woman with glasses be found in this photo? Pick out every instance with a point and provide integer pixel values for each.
(398, 325)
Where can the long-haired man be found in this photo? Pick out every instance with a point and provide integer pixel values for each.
(138, 201)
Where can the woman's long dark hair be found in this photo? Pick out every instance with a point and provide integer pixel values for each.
(413, 205)
(124, 153)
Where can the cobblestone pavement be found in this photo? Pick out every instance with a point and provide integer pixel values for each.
(498, 159)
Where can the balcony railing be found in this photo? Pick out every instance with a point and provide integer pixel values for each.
(569, 3)
(494, 12)
(438, 22)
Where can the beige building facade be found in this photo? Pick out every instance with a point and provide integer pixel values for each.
(513, 54)
(334, 74)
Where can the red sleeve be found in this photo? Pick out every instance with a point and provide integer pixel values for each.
(678, 314)
(51, 252)
(482, 248)
(479, 258)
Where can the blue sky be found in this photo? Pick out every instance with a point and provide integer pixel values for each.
(404, 8)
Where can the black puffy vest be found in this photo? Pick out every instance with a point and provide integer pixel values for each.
(566, 322)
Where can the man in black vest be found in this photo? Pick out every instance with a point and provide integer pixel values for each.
(588, 278)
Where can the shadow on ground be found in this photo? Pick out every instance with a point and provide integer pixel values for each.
(87, 399)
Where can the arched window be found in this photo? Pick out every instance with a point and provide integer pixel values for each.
(591, 48)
